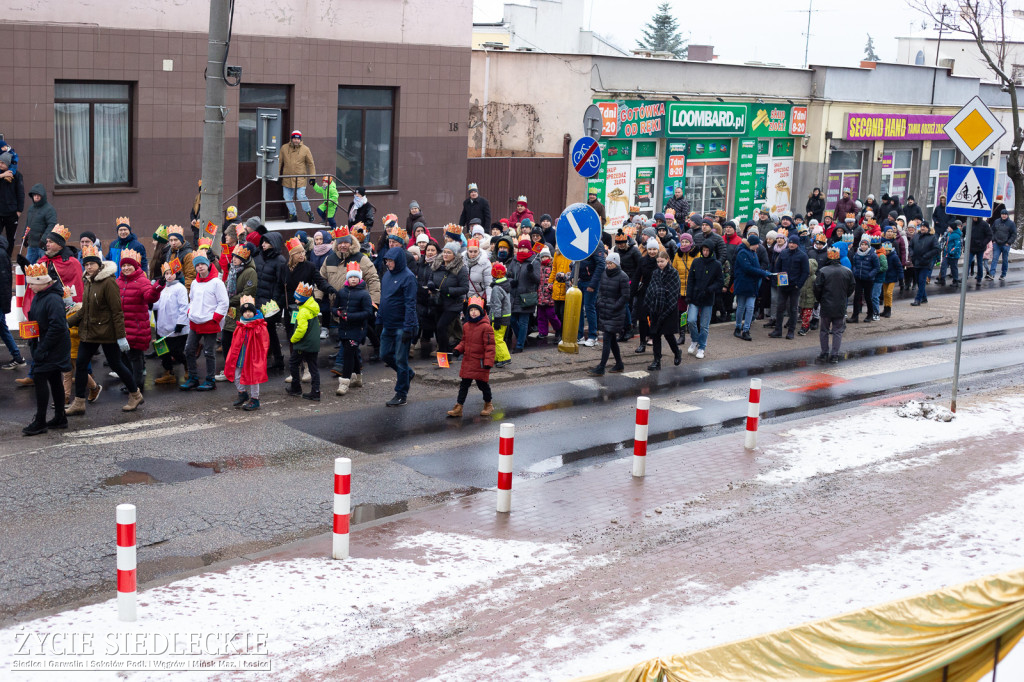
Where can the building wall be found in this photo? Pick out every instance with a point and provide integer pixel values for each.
(432, 81)
(967, 58)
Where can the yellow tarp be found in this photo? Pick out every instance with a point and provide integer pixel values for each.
(909, 639)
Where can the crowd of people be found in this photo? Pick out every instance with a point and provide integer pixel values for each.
(476, 291)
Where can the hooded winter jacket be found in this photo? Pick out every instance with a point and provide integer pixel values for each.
(865, 264)
(925, 248)
(12, 195)
(612, 301)
(51, 352)
(477, 347)
(246, 284)
(100, 319)
(833, 286)
(184, 256)
(6, 278)
(524, 277)
(306, 337)
(272, 272)
(748, 274)
(1004, 231)
(171, 310)
(354, 302)
(40, 217)
(398, 294)
(705, 281)
(68, 269)
(479, 271)
(451, 282)
(137, 294)
(119, 245)
(807, 290)
(335, 266)
(560, 264)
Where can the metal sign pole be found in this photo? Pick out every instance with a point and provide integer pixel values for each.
(263, 174)
(960, 322)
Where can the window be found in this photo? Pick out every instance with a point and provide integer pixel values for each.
(844, 169)
(705, 185)
(92, 133)
(1017, 74)
(938, 174)
(365, 130)
(896, 167)
(251, 98)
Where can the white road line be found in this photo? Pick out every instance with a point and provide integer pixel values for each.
(639, 374)
(587, 383)
(673, 405)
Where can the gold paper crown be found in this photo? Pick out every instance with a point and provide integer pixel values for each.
(205, 243)
(634, 209)
(339, 232)
(62, 231)
(90, 250)
(398, 233)
(453, 228)
(123, 220)
(67, 292)
(165, 268)
(36, 270)
(246, 299)
(359, 227)
(160, 232)
(175, 229)
(242, 251)
(304, 289)
(133, 254)
(293, 244)
(390, 219)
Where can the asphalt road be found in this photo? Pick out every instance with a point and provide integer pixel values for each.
(211, 483)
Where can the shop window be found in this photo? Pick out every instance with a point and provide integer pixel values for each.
(896, 173)
(938, 175)
(92, 129)
(366, 123)
(844, 172)
(706, 184)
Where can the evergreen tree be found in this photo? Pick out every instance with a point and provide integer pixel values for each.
(869, 50)
(661, 34)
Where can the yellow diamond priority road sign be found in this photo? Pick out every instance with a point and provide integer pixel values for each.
(974, 129)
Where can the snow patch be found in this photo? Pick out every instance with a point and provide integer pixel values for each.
(915, 409)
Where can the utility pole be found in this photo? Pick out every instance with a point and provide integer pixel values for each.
(943, 13)
(807, 39)
(214, 119)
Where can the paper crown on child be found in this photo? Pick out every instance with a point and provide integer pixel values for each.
(398, 233)
(165, 268)
(833, 253)
(476, 301)
(175, 230)
(353, 269)
(132, 255)
(246, 300)
(390, 220)
(243, 250)
(36, 270)
(123, 220)
(239, 230)
(204, 243)
(339, 232)
(293, 244)
(670, 212)
(304, 289)
(452, 228)
(473, 242)
(161, 234)
(91, 253)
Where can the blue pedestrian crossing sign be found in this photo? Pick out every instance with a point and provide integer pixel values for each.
(586, 157)
(578, 231)
(971, 190)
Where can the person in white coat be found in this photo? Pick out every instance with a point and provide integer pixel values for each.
(171, 311)
(208, 304)
(478, 265)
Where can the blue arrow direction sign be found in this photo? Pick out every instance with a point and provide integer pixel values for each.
(578, 231)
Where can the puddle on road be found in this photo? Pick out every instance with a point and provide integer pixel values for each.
(150, 470)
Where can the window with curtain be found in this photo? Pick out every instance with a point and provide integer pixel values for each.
(92, 133)
(365, 132)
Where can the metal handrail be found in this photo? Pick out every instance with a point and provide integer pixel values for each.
(337, 180)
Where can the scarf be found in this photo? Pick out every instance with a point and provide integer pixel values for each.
(522, 255)
(232, 283)
(429, 260)
(321, 249)
(660, 296)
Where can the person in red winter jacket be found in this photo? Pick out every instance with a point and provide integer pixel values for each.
(137, 294)
(477, 349)
(246, 363)
(522, 212)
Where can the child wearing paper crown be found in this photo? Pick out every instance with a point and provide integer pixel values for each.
(246, 363)
(352, 308)
(305, 343)
(500, 303)
(477, 349)
(171, 311)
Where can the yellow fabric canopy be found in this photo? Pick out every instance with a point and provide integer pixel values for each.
(954, 628)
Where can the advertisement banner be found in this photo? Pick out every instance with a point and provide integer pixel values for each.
(616, 197)
(886, 161)
(675, 168)
(832, 190)
(643, 188)
(760, 185)
(895, 127)
(746, 161)
(898, 184)
(769, 120)
(686, 118)
(632, 118)
(780, 186)
(798, 121)
(944, 184)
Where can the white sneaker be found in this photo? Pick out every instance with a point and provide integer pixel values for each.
(220, 377)
(357, 381)
(589, 343)
(323, 334)
(700, 353)
(692, 349)
(343, 385)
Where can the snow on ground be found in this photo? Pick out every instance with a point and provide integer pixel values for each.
(319, 612)
(876, 435)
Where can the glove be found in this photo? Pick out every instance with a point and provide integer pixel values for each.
(312, 181)
(22, 261)
(178, 328)
(560, 277)
(407, 336)
(431, 286)
(123, 345)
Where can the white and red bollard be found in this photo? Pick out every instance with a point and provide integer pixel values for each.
(505, 446)
(643, 410)
(19, 295)
(342, 505)
(753, 414)
(127, 591)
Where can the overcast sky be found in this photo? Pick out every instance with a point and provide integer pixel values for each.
(756, 30)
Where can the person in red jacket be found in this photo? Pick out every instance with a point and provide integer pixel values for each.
(246, 363)
(477, 349)
(522, 212)
(137, 295)
(58, 255)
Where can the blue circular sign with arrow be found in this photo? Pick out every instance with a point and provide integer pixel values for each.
(578, 231)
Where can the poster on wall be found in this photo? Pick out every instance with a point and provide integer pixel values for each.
(780, 186)
(898, 184)
(643, 189)
(675, 170)
(832, 190)
(616, 198)
(944, 184)
(746, 179)
(761, 184)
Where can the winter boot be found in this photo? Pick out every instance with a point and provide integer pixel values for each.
(677, 357)
(357, 381)
(59, 421)
(168, 377)
(942, 281)
(34, 429)
(309, 216)
(343, 385)
(487, 411)
(455, 412)
(190, 384)
(803, 331)
(243, 398)
(208, 385)
(887, 311)
(312, 395)
(821, 359)
(293, 389)
(134, 400)
(814, 324)
(292, 218)
(642, 348)
(253, 404)
(854, 320)
(69, 386)
(77, 407)
(654, 365)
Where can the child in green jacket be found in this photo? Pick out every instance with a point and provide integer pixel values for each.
(329, 191)
(305, 343)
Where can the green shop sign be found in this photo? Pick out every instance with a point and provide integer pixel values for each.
(685, 118)
(746, 163)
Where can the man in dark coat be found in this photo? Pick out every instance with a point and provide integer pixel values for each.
(679, 204)
(597, 206)
(397, 318)
(832, 288)
(792, 261)
(1004, 232)
(12, 198)
(39, 221)
(475, 206)
(51, 350)
(707, 234)
(272, 274)
(844, 206)
(911, 211)
(925, 249)
(981, 235)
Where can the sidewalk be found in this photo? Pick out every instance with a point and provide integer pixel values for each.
(595, 569)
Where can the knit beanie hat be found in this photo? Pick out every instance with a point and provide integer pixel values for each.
(200, 259)
(652, 243)
(613, 258)
(497, 271)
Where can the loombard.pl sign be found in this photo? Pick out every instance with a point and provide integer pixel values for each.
(706, 119)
